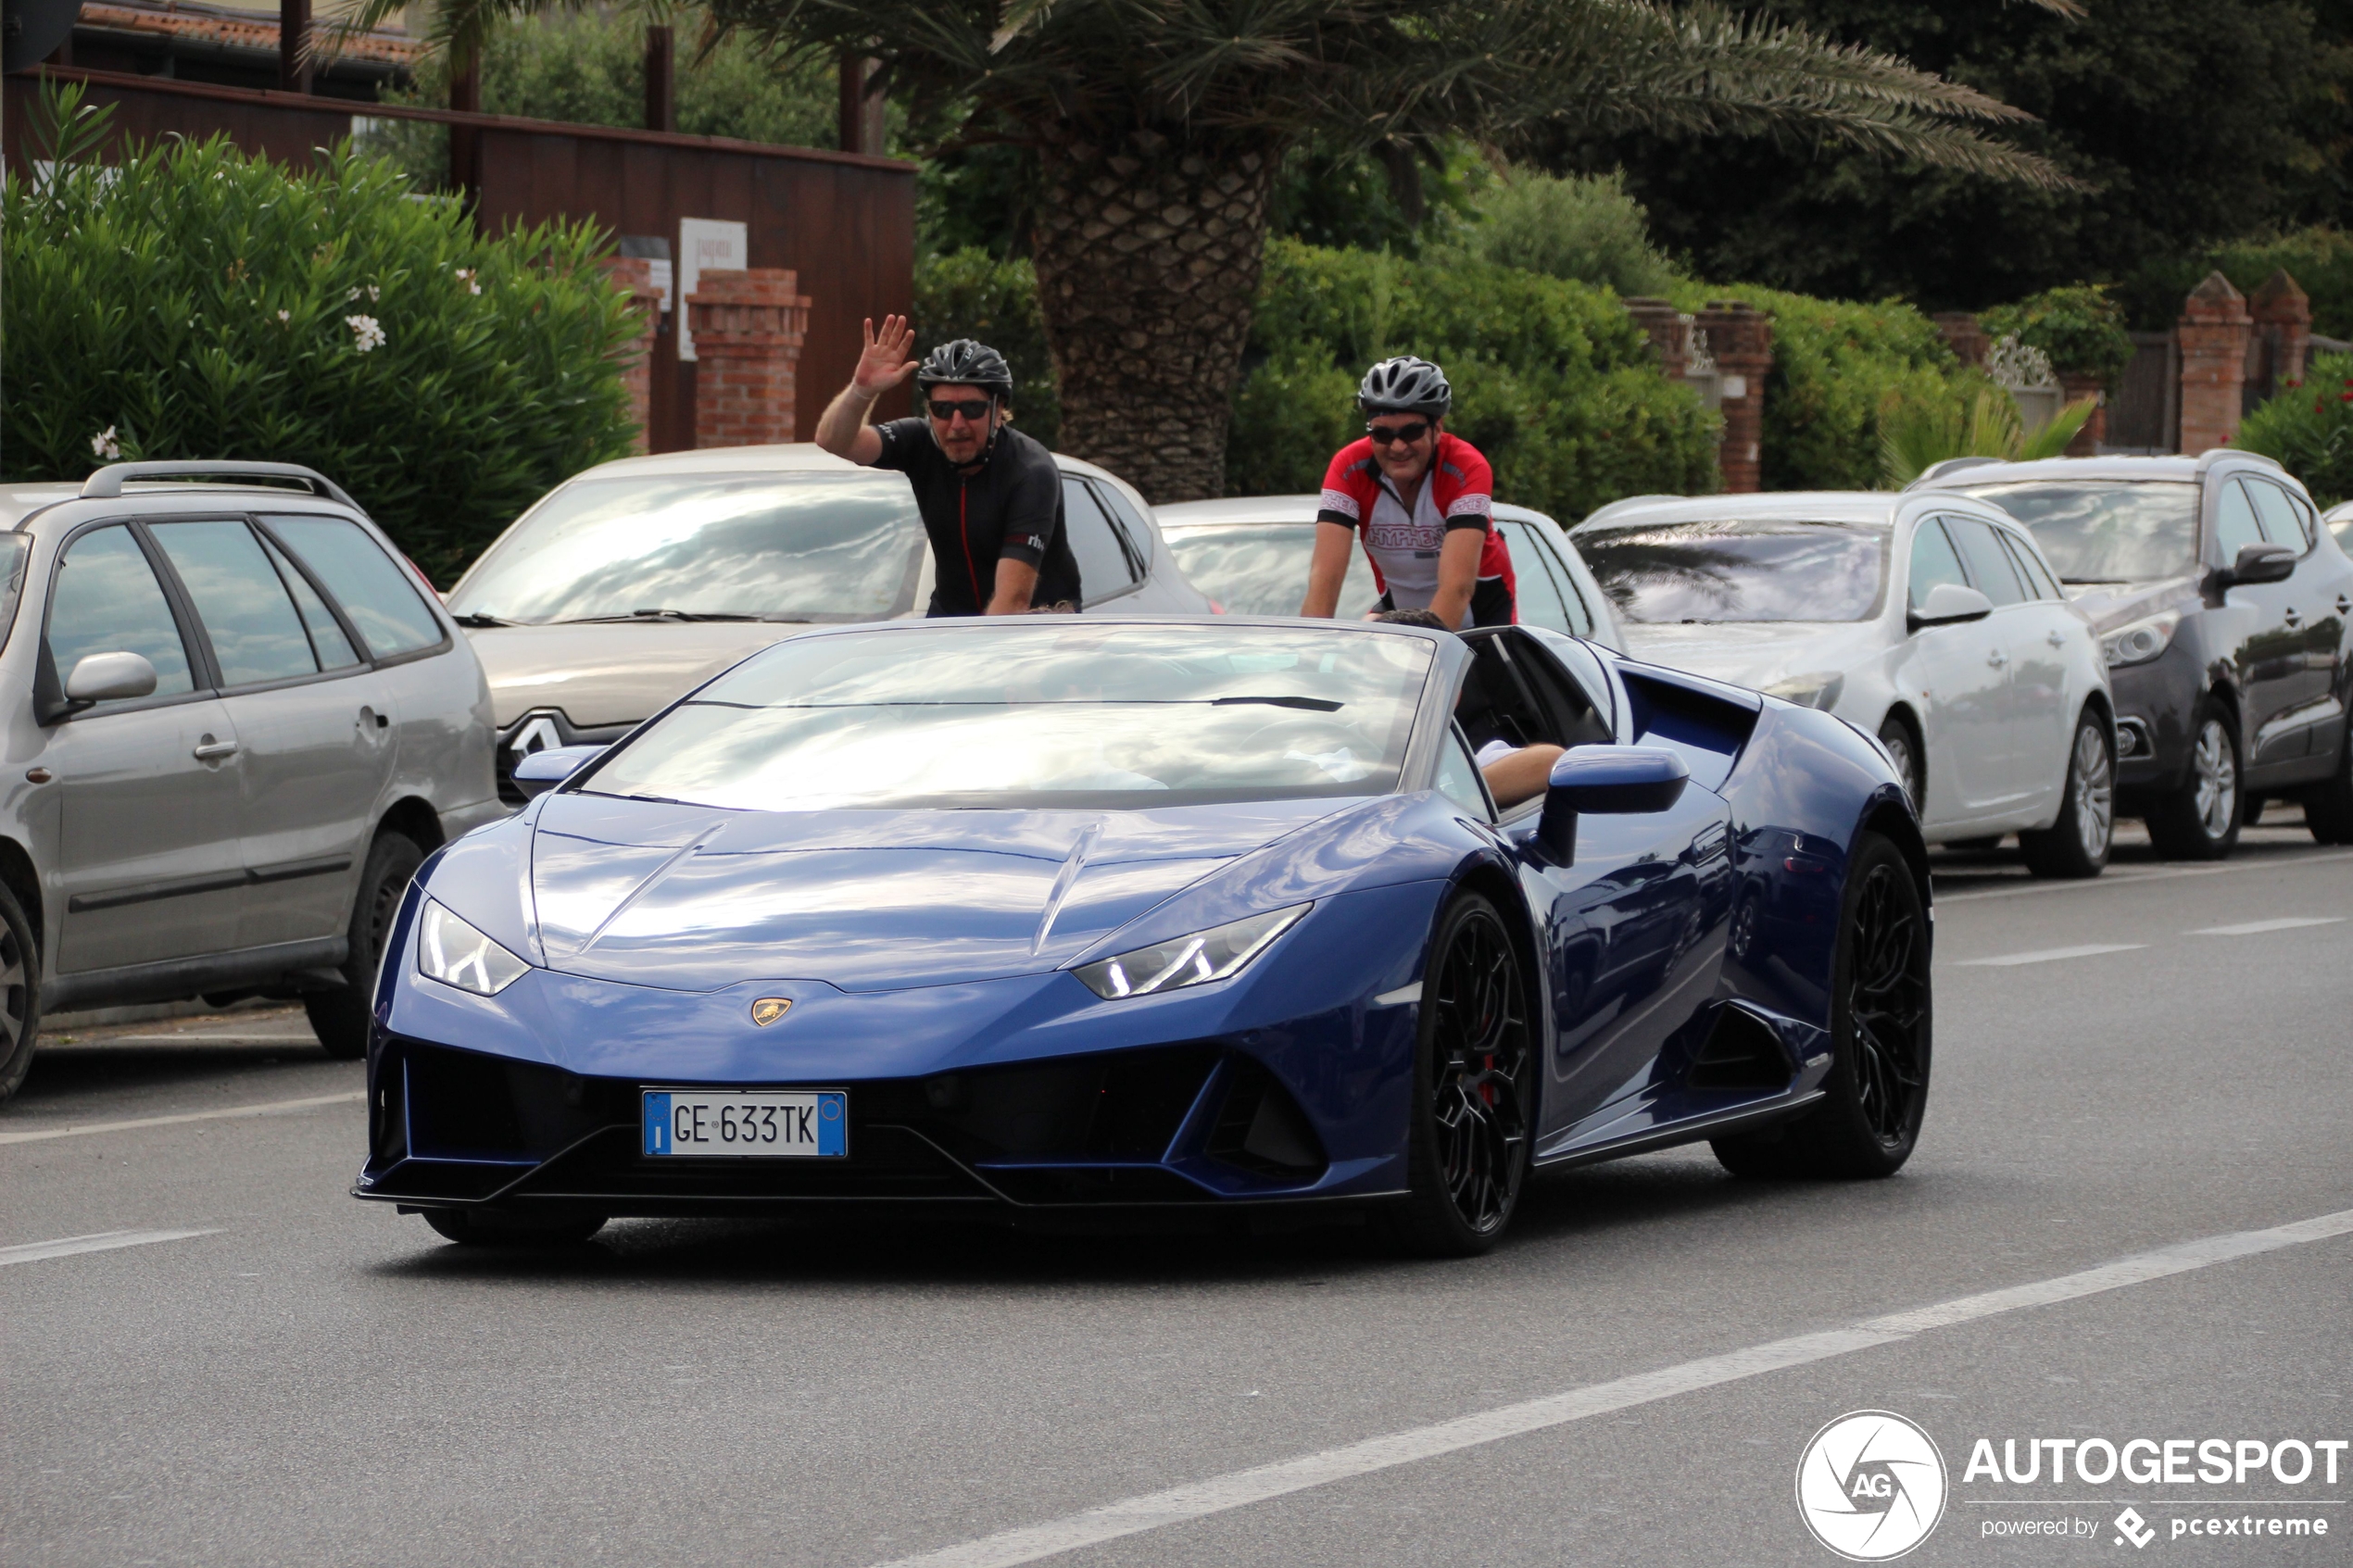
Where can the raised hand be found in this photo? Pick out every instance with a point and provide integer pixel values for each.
(883, 364)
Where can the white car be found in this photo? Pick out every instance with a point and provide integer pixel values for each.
(638, 580)
(1250, 555)
(1930, 620)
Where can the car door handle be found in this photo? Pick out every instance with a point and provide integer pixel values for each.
(2290, 616)
(212, 751)
(2053, 637)
(1997, 659)
(2344, 605)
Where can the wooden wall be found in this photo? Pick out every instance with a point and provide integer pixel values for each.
(844, 221)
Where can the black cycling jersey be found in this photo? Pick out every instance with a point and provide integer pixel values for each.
(1010, 507)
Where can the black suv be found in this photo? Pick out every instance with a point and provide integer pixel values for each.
(2223, 607)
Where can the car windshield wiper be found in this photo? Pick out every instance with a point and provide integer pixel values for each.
(475, 618)
(657, 615)
(1313, 704)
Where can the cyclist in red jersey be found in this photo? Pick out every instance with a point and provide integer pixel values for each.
(1423, 501)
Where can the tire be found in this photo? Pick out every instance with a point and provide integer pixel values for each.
(2328, 805)
(2200, 821)
(2076, 844)
(1868, 1120)
(1912, 761)
(1468, 1137)
(473, 1227)
(20, 994)
(340, 1017)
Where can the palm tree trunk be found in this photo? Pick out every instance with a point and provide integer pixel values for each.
(1148, 262)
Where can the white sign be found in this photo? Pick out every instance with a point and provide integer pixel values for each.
(661, 280)
(714, 244)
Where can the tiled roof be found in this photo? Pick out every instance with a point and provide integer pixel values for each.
(247, 30)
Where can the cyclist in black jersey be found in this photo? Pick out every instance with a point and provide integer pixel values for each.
(991, 498)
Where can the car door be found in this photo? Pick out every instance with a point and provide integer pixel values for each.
(2013, 638)
(1108, 569)
(315, 737)
(2039, 676)
(1636, 923)
(148, 868)
(2272, 659)
(2317, 597)
(1961, 688)
(1546, 596)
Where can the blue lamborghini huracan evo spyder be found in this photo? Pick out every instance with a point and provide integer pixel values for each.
(1041, 914)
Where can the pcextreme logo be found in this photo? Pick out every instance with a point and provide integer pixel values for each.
(1870, 1486)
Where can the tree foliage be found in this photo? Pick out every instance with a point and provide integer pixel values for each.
(1583, 227)
(2079, 329)
(185, 300)
(2309, 428)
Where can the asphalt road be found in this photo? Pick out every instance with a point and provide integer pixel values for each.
(311, 1380)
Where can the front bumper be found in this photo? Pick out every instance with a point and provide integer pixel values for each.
(2155, 702)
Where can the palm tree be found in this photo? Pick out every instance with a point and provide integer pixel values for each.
(1159, 126)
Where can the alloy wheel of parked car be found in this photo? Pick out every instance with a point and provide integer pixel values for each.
(340, 1017)
(1876, 1093)
(1469, 1144)
(2200, 821)
(20, 994)
(2076, 844)
(1897, 736)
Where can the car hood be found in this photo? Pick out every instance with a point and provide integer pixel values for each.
(2111, 605)
(1754, 654)
(611, 673)
(693, 899)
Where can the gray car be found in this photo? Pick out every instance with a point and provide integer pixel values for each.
(238, 721)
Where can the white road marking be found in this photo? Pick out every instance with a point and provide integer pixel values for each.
(267, 1108)
(1239, 1488)
(2120, 878)
(101, 1241)
(2049, 955)
(2258, 927)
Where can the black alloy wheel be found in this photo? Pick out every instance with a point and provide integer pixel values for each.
(2076, 844)
(476, 1227)
(2200, 821)
(2328, 805)
(1911, 766)
(20, 994)
(340, 1017)
(1469, 1142)
(1876, 1093)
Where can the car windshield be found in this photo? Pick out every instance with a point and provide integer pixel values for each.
(14, 548)
(1037, 715)
(772, 546)
(1261, 568)
(2107, 531)
(1738, 569)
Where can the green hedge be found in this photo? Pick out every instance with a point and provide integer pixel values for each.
(2081, 330)
(2309, 427)
(1553, 380)
(189, 301)
(1837, 367)
(971, 294)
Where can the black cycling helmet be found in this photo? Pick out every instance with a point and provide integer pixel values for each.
(1405, 385)
(966, 363)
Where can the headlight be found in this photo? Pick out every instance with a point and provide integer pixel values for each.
(455, 954)
(1189, 961)
(2142, 641)
(1819, 690)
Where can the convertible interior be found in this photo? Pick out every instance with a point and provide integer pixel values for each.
(1515, 693)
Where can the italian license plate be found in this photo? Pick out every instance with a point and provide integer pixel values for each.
(772, 1123)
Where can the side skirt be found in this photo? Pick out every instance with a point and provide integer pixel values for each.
(1738, 1120)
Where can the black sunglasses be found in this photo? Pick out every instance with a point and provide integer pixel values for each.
(973, 409)
(1388, 435)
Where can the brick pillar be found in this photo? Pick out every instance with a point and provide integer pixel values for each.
(1963, 336)
(1670, 333)
(748, 327)
(634, 275)
(1741, 338)
(2074, 389)
(2284, 321)
(2214, 331)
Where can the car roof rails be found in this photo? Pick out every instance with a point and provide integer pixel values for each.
(1950, 465)
(108, 482)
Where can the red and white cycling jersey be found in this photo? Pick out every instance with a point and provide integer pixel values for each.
(1403, 546)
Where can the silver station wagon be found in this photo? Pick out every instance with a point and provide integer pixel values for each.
(237, 721)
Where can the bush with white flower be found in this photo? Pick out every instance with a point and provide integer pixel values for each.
(188, 301)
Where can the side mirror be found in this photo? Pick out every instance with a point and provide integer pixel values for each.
(1948, 603)
(2261, 563)
(1608, 781)
(110, 677)
(543, 771)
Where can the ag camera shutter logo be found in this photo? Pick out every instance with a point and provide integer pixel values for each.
(1870, 1486)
